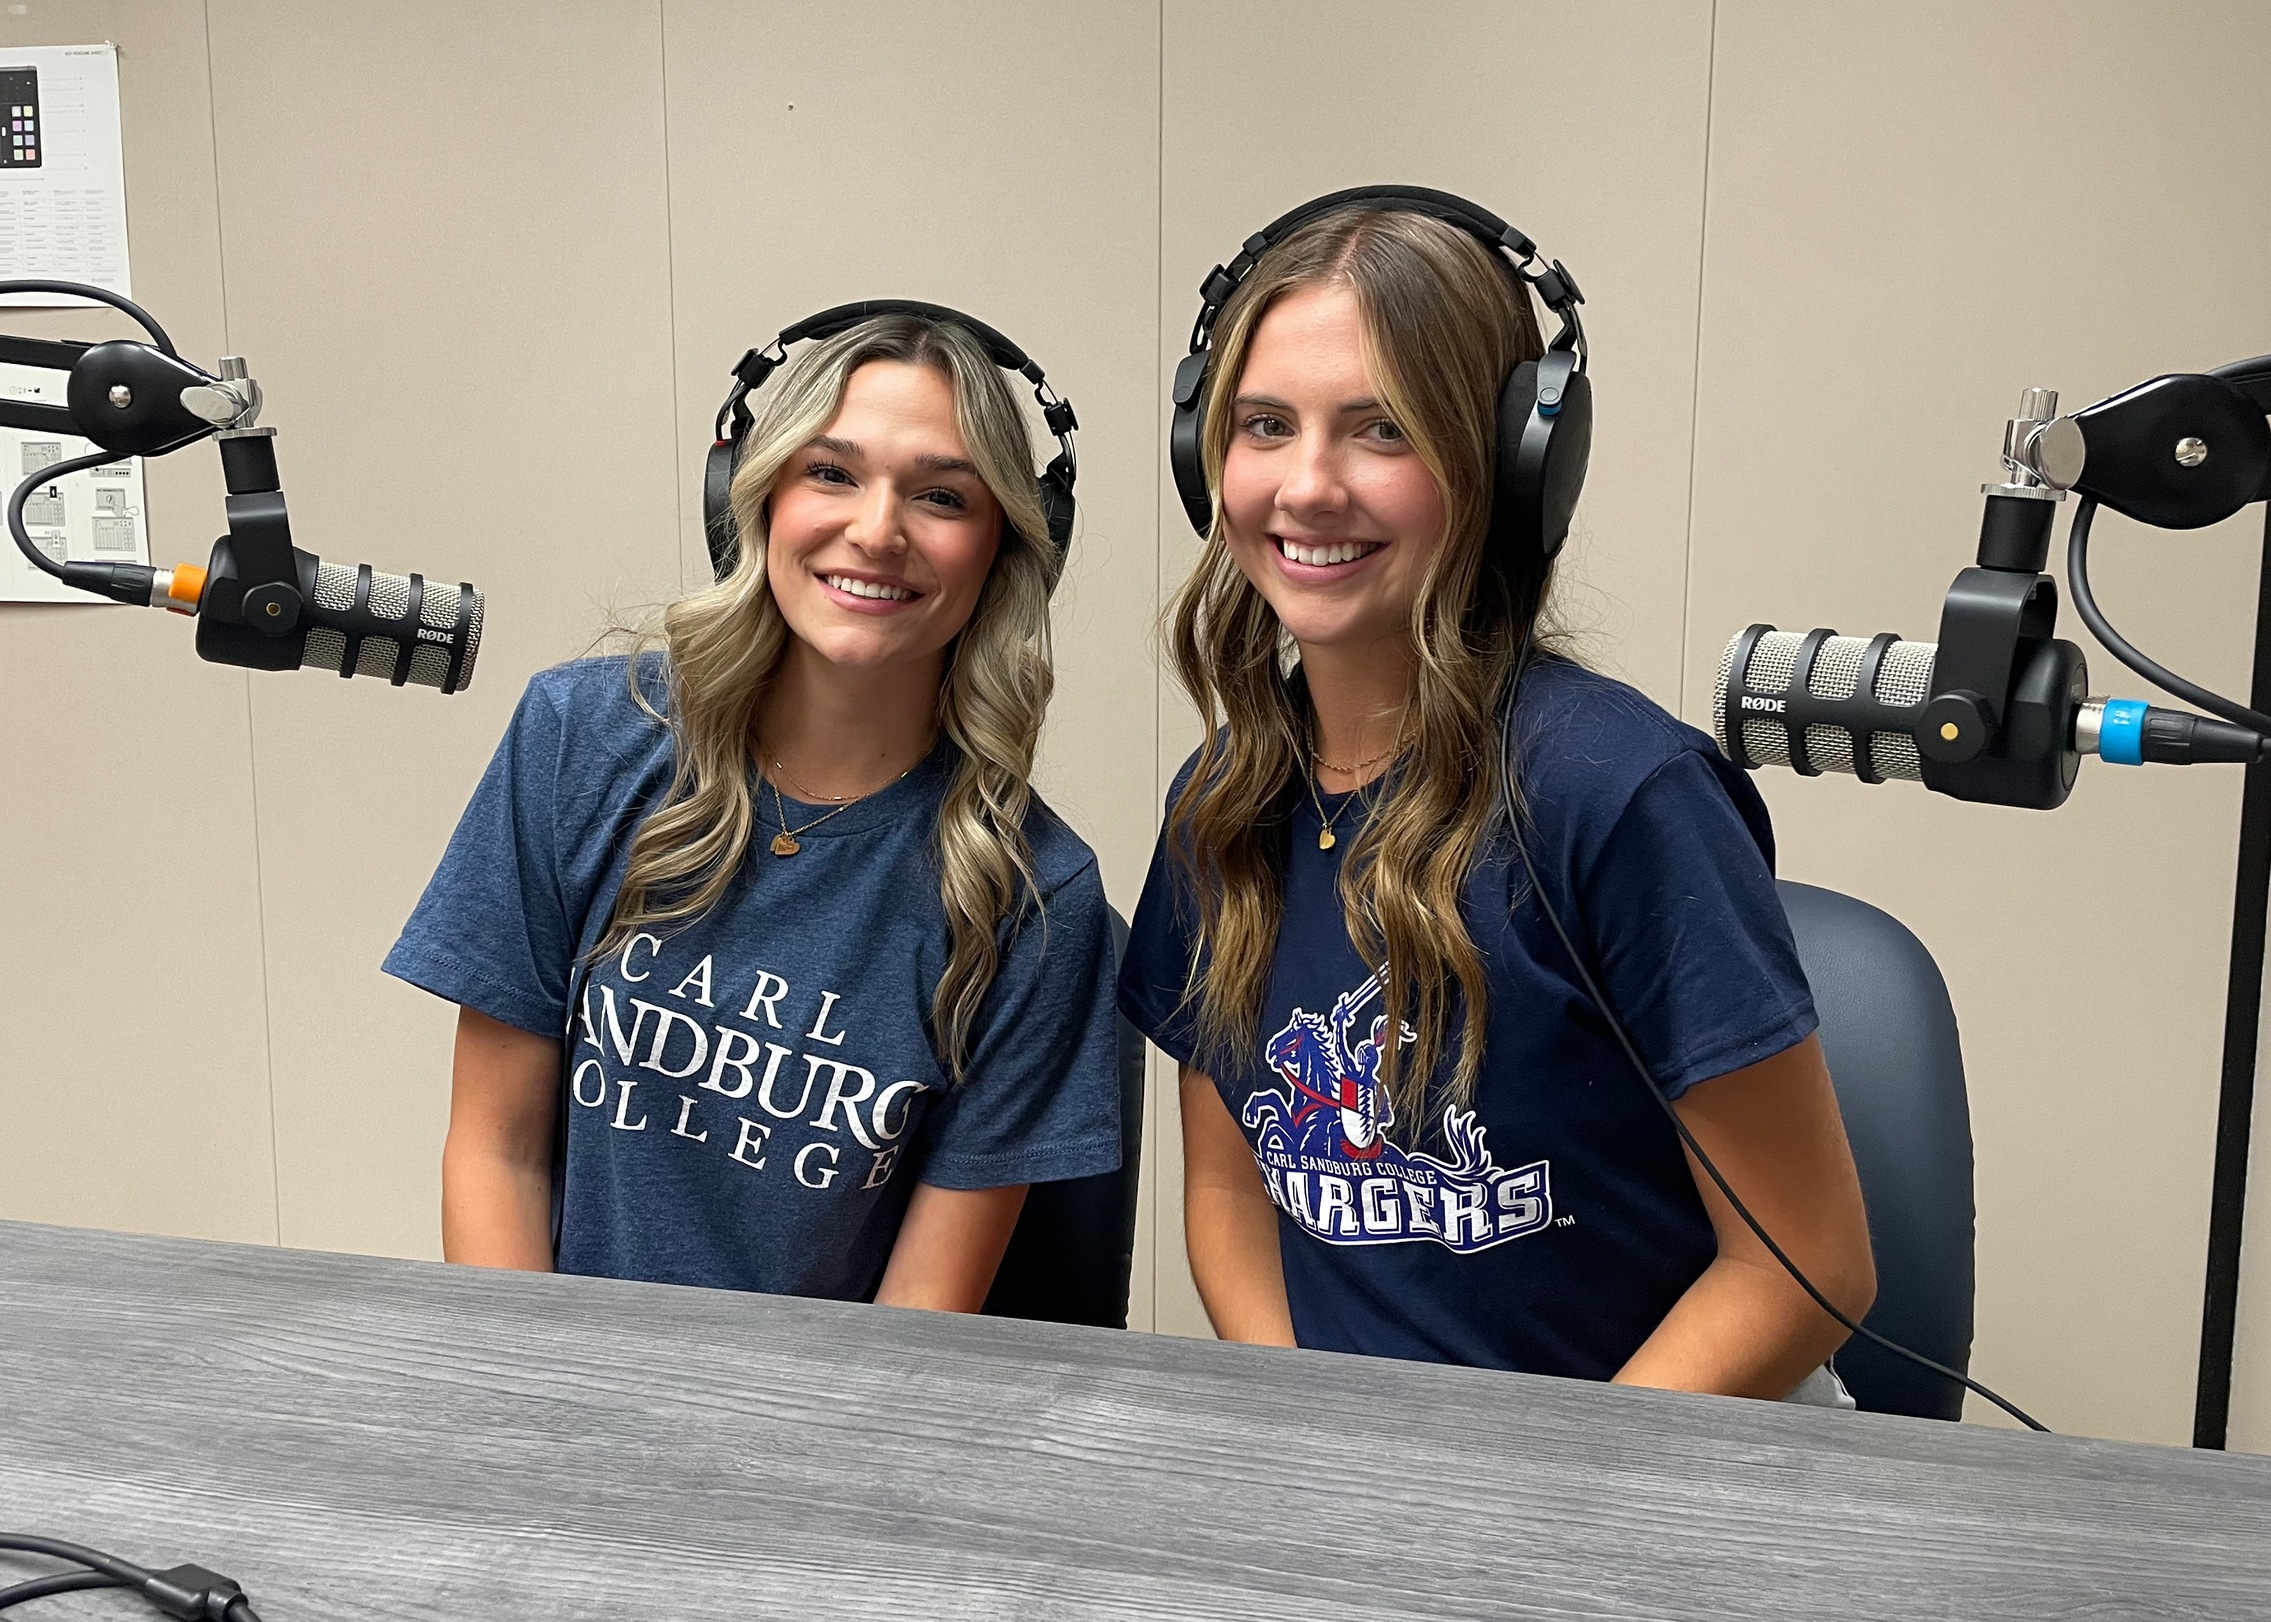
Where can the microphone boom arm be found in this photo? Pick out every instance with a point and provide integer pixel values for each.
(260, 601)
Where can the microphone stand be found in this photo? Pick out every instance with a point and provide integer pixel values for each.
(2235, 1102)
(2006, 720)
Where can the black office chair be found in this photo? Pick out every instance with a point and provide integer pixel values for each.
(1889, 1034)
(1068, 1260)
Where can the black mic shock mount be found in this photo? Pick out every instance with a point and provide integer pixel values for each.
(2008, 716)
(260, 602)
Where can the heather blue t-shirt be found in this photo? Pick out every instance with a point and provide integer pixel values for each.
(751, 1097)
(1552, 1225)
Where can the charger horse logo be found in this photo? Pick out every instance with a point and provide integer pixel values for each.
(1335, 1079)
(1324, 1151)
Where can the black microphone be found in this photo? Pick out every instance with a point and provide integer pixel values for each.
(1858, 709)
(347, 619)
(1818, 702)
(264, 604)
(352, 621)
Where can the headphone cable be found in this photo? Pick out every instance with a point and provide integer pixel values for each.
(190, 1593)
(1640, 1068)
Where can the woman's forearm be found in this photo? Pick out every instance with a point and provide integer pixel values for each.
(1229, 1224)
(497, 1158)
(1741, 1331)
(949, 1247)
(496, 1210)
(1745, 1327)
(1232, 1241)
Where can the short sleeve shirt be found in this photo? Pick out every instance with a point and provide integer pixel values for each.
(1552, 1223)
(751, 1097)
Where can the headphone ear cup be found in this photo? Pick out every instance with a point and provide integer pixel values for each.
(1058, 507)
(1186, 431)
(717, 506)
(1541, 461)
(1561, 480)
(1512, 543)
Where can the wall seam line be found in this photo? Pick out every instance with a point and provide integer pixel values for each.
(213, 135)
(1158, 549)
(1695, 379)
(251, 735)
(670, 299)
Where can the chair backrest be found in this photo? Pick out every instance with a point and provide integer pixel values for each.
(1068, 1260)
(1888, 1032)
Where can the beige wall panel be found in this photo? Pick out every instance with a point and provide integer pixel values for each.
(448, 261)
(1601, 160)
(1914, 213)
(1002, 160)
(136, 1089)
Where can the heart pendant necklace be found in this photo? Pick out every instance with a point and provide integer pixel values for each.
(785, 843)
(1325, 840)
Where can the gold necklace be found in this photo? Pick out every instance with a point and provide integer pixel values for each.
(817, 799)
(1394, 744)
(1325, 840)
(1351, 771)
(785, 842)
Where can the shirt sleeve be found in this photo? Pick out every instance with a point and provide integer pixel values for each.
(1158, 960)
(494, 930)
(1039, 1098)
(1693, 946)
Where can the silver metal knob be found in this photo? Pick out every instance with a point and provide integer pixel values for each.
(121, 396)
(2191, 451)
(2023, 475)
(2058, 452)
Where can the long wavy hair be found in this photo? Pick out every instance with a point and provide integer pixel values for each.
(725, 642)
(1442, 323)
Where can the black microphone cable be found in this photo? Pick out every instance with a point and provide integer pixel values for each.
(1647, 1080)
(47, 475)
(2086, 604)
(133, 311)
(189, 1593)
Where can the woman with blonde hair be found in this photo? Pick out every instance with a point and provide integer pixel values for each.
(773, 972)
(1408, 1128)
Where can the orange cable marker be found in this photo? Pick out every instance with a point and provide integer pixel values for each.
(186, 587)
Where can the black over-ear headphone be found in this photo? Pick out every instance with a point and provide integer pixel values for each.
(1545, 407)
(734, 418)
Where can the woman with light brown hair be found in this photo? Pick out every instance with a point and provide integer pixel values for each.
(1407, 1127)
(774, 974)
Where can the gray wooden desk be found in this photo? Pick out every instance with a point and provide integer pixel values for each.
(359, 1438)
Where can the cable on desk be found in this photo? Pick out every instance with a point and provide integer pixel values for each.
(187, 1593)
(68, 1582)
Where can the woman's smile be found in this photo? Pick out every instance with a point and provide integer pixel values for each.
(863, 593)
(1319, 559)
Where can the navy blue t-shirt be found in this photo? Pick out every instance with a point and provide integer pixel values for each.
(1552, 1225)
(751, 1096)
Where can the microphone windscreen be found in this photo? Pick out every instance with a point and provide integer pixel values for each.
(449, 617)
(1903, 681)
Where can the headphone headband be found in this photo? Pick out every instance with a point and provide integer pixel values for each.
(843, 317)
(734, 419)
(1556, 288)
(1441, 205)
